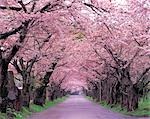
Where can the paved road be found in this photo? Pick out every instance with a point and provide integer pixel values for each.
(78, 107)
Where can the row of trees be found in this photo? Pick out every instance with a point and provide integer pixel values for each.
(115, 85)
(25, 52)
(104, 40)
(14, 98)
(117, 67)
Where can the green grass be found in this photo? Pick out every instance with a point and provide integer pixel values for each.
(143, 109)
(2, 116)
(23, 113)
(48, 104)
(35, 108)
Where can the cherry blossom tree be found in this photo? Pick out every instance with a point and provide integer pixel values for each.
(103, 47)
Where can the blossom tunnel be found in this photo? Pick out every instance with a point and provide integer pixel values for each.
(49, 48)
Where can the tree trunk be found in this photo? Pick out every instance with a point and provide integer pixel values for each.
(4, 62)
(26, 89)
(40, 96)
(26, 96)
(3, 86)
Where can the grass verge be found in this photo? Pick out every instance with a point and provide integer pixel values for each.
(33, 109)
(142, 111)
(2, 116)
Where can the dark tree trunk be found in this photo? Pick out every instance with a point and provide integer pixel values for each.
(40, 98)
(3, 86)
(13, 94)
(24, 69)
(5, 60)
(26, 91)
(18, 101)
(26, 95)
(40, 94)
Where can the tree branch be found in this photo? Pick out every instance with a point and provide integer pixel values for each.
(33, 6)
(48, 7)
(11, 8)
(108, 29)
(111, 53)
(23, 6)
(9, 33)
(45, 41)
(43, 9)
(49, 73)
(143, 74)
(95, 8)
(21, 61)
(132, 59)
(29, 67)
(62, 80)
(16, 66)
(16, 47)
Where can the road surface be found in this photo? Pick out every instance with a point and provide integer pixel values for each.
(78, 107)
